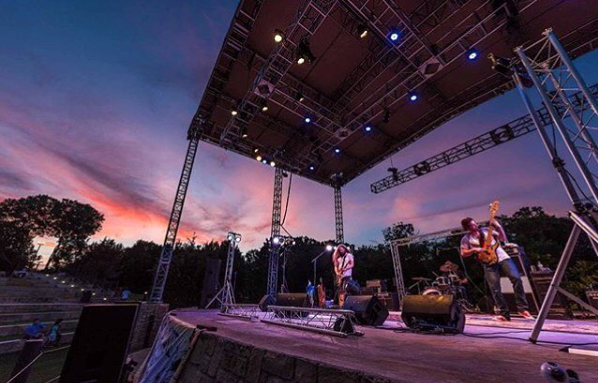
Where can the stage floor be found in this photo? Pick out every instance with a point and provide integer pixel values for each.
(503, 355)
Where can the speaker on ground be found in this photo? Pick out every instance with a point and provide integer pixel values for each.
(433, 311)
(368, 309)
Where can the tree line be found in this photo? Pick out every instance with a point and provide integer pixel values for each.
(113, 265)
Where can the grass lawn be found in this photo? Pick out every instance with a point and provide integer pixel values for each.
(44, 369)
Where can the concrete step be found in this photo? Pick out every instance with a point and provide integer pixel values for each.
(36, 291)
(14, 345)
(17, 330)
(38, 299)
(50, 316)
(14, 308)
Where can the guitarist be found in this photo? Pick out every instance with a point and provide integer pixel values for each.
(473, 244)
(343, 263)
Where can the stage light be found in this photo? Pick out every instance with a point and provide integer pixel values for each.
(272, 163)
(264, 106)
(312, 167)
(264, 161)
(234, 112)
(337, 150)
(256, 150)
(329, 247)
(300, 60)
(362, 30)
(238, 238)
(307, 119)
(230, 236)
(259, 158)
(413, 96)
(394, 35)
(299, 97)
(278, 35)
(386, 116)
(368, 128)
(501, 64)
(303, 52)
(276, 240)
(472, 54)
(243, 132)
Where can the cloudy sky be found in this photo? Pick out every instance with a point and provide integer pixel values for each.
(96, 97)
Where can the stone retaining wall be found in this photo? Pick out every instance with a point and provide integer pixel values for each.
(148, 322)
(217, 359)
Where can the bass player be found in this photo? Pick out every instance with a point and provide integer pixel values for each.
(473, 243)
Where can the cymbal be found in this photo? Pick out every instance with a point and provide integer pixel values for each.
(421, 279)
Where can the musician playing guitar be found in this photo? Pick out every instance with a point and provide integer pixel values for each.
(484, 243)
(343, 270)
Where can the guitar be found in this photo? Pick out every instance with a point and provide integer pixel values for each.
(488, 256)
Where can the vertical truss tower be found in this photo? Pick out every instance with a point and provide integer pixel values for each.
(157, 291)
(272, 285)
(546, 67)
(226, 295)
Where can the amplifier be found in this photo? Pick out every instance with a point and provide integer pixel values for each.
(592, 296)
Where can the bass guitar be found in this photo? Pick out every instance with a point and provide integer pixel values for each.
(488, 255)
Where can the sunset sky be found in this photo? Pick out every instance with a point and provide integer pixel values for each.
(96, 98)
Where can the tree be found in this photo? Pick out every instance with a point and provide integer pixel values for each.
(99, 262)
(74, 223)
(397, 231)
(16, 247)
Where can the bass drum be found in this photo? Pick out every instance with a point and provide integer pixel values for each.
(432, 291)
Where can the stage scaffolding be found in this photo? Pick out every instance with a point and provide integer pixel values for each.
(546, 68)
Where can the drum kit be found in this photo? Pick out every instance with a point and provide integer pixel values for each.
(448, 284)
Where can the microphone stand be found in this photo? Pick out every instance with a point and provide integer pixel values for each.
(314, 262)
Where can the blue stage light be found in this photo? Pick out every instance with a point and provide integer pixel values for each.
(307, 119)
(368, 128)
(413, 96)
(337, 150)
(472, 54)
(394, 35)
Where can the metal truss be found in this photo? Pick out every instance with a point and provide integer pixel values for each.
(309, 18)
(398, 269)
(339, 323)
(470, 31)
(240, 310)
(226, 295)
(564, 93)
(159, 284)
(338, 214)
(508, 132)
(272, 284)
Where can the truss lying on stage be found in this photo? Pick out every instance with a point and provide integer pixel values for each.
(240, 310)
(326, 321)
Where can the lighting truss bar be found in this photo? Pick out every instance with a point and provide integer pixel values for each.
(165, 259)
(309, 18)
(514, 129)
(339, 323)
(338, 214)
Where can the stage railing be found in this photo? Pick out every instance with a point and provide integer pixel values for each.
(240, 310)
(339, 323)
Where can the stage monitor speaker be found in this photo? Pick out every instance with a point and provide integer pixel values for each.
(368, 309)
(100, 345)
(266, 301)
(433, 311)
(293, 300)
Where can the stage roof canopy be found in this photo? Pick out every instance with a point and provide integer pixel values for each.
(349, 105)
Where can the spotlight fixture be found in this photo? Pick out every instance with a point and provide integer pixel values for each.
(386, 116)
(276, 240)
(264, 105)
(256, 150)
(337, 150)
(299, 96)
(264, 161)
(501, 65)
(413, 96)
(304, 53)
(234, 112)
(272, 163)
(312, 167)
(259, 158)
(243, 132)
(472, 54)
(233, 237)
(394, 35)
(278, 35)
(329, 247)
(362, 30)
(368, 128)
(307, 119)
